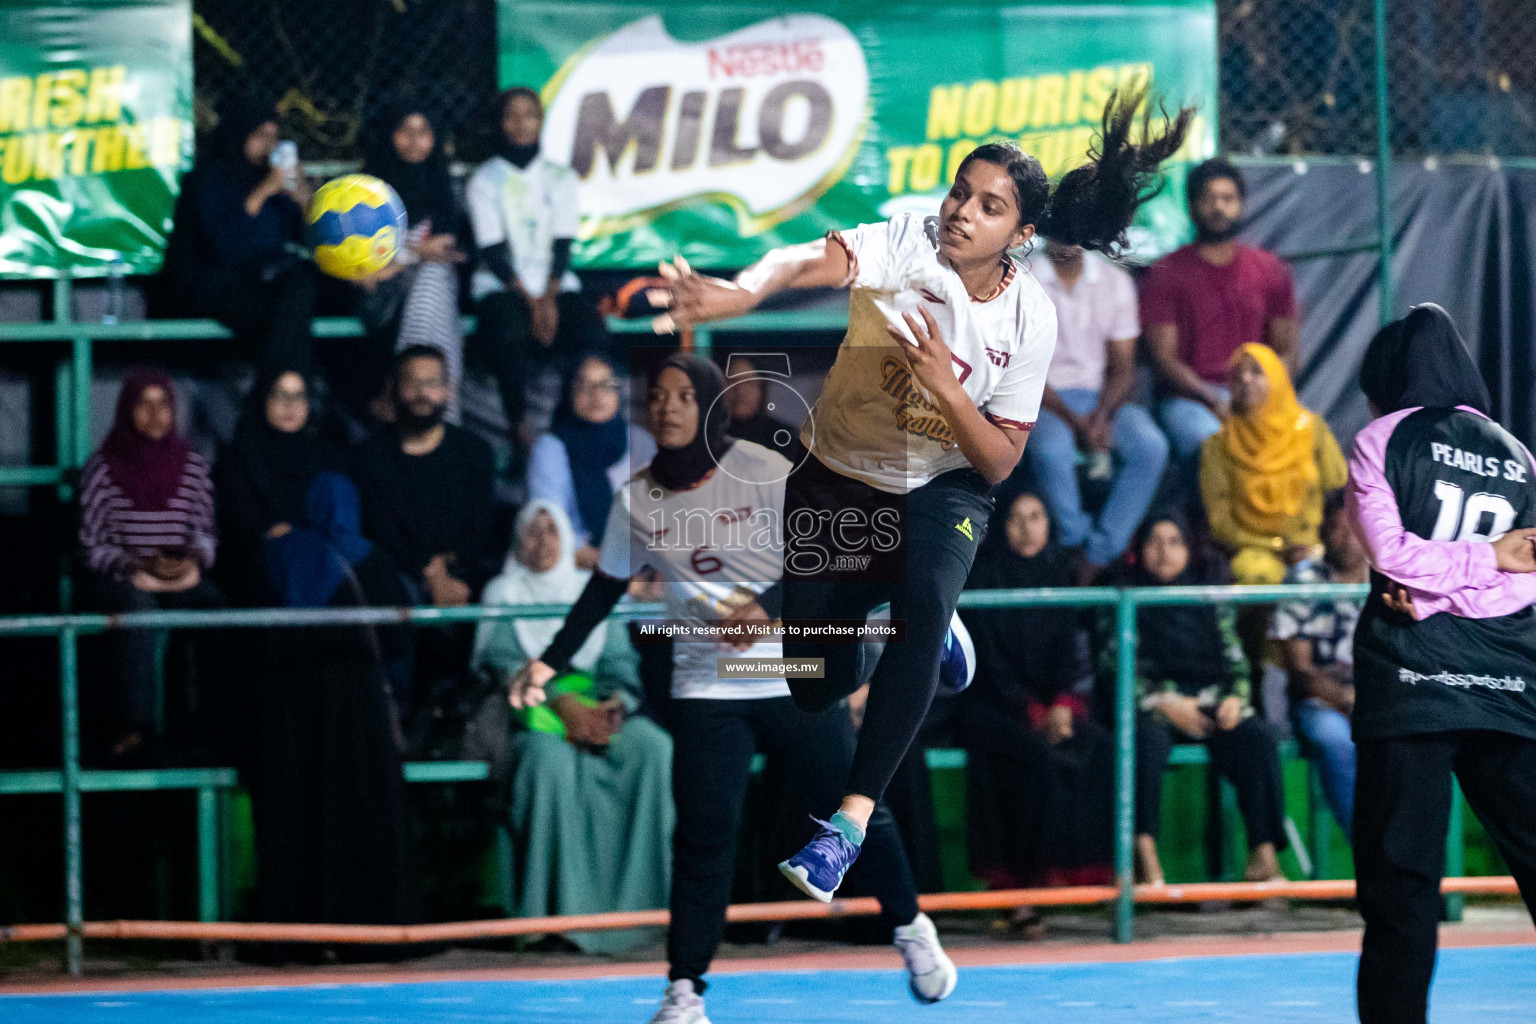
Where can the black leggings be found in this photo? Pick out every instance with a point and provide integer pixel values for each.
(506, 337)
(936, 529)
(271, 319)
(134, 649)
(1402, 808)
(1246, 756)
(713, 743)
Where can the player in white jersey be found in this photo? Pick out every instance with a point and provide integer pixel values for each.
(705, 515)
(927, 408)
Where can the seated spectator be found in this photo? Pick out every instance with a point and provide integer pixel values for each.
(1319, 638)
(417, 296)
(427, 487)
(591, 790)
(332, 821)
(746, 399)
(524, 212)
(231, 256)
(263, 478)
(1200, 302)
(147, 528)
(1041, 770)
(1193, 686)
(1085, 406)
(586, 456)
(1264, 474)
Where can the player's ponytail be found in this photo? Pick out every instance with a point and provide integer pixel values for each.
(1093, 205)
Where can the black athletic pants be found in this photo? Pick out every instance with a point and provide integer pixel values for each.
(1245, 756)
(1402, 807)
(506, 336)
(936, 529)
(713, 742)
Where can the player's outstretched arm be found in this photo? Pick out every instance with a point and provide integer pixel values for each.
(696, 298)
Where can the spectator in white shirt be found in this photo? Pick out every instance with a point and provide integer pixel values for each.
(1085, 406)
(523, 209)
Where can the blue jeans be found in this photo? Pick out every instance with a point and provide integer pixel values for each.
(1326, 742)
(1052, 453)
(1187, 423)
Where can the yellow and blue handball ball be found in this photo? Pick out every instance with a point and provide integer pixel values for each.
(356, 225)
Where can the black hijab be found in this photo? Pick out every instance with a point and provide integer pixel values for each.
(518, 156)
(1016, 665)
(1421, 360)
(426, 188)
(677, 469)
(278, 466)
(240, 114)
(1182, 643)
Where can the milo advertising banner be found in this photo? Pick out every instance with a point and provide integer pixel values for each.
(95, 129)
(719, 130)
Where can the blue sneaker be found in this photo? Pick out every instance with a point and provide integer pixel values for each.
(818, 869)
(957, 665)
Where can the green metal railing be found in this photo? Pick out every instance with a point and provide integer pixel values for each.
(72, 375)
(69, 628)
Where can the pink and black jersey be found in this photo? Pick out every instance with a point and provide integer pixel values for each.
(1430, 487)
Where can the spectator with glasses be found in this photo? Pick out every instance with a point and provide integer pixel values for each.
(586, 456)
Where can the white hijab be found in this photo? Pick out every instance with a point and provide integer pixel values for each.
(518, 584)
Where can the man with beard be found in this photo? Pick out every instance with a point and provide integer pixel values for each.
(1202, 301)
(426, 487)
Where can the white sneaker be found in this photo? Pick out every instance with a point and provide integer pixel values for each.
(682, 1005)
(931, 974)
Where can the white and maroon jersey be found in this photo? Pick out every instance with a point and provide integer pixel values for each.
(715, 546)
(873, 422)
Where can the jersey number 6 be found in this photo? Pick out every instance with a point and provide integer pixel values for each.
(704, 564)
(1463, 519)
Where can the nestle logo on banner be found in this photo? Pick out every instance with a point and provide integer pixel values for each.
(753, 59)
(763, 119)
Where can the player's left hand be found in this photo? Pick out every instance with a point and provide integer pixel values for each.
(1398, 598)
(929, 358)
(1229, 713)
(750, 612)
(526, 688)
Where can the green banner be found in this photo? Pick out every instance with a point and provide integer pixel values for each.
(95, 131)
(719, 130)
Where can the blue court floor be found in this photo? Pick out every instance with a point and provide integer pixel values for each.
(1473, 986)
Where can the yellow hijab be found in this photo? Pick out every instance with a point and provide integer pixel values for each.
(1271, 448)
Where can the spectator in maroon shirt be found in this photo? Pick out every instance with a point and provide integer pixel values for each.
(1200, 302)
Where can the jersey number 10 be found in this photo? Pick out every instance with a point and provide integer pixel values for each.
(1461, 518)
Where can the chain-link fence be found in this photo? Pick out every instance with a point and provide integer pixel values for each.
(331, 64)
(1297, 76)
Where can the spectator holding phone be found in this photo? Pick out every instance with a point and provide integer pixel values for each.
(147, 529)
(233, 255)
